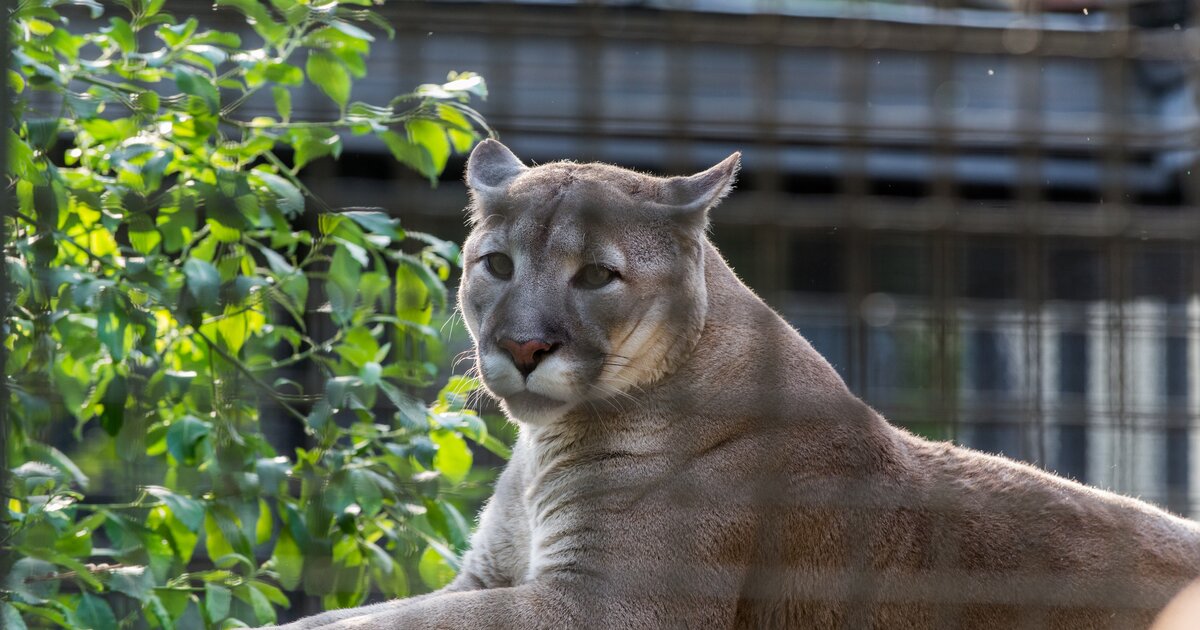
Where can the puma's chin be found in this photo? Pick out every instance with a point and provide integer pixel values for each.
(533, 408)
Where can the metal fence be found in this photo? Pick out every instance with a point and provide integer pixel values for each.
(984, 216)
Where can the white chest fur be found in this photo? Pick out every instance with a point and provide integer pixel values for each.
(550, 498)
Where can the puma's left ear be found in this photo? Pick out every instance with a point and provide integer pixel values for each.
(700, 192)
(492, 167)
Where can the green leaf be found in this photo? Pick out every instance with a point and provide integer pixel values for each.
(264, 525)
(283, 102)
(142, 234)
(137, 584)
(313, 143)
(215, 542)
(264, 612)
(284, 74)
(461, 131)
(184, 435)
(175, 35)
(430, 136)
(122, 34)
(50, 455)
(289, 560)
(338, 388)
(216, 601)
(16, 82)
(410, 154)
(239, 323)
(342, 287)
(434, 568)
(20, 159)
(259, 17)
(29, 592)
(328, 73)
(458, 529)
(320, 415)
(39, 28)
(115, 394)
(10, 619)
(271, 472)
(177, 224)
(413, 300)
(273, 594)
(189, 511)
(453, 457)
(352, 30)
(42, 132)
(286, 195)
(370, 373)
(375, 221)
(191, 82)
(203, 281)
(366, 492)
(95, 613)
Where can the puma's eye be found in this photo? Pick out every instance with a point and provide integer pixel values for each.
(499, 265)
(594, 276)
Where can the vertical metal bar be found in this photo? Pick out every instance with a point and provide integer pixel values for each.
(1029, 196)
(589, 64)
(853, 199)
(6, 207)
(1192, 334)
(501, 44)
(679, 49)
(1115, 212)
(1190, 184)
(941, 205)
(768, 178)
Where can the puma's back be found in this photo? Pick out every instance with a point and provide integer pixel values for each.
(686, 459)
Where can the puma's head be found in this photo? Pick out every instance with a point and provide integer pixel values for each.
(582, 281)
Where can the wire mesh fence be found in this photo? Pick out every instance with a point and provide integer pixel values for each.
(984, 216)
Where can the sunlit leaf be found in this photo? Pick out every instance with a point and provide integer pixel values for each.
(375, 221)
(189, 511)
(288, 559)
(328, 73)
(453, 457)
(283, 102)
(435, 569)
(430, 136)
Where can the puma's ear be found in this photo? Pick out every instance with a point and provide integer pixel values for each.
(492, 167)
(696, 194)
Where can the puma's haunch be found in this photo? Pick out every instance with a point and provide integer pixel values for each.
(686, 459)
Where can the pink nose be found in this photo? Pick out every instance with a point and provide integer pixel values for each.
(526, 355)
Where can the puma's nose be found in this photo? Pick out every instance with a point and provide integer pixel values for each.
(527, 354)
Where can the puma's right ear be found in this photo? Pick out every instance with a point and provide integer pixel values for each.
(492, 167)
(695, 195)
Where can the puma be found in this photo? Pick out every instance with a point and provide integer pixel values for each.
(686, 459)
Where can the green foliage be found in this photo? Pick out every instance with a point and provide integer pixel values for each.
(169, 269)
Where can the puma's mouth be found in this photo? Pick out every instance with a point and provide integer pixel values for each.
(532, 400)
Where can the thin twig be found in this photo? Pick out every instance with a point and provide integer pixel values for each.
(92, 568)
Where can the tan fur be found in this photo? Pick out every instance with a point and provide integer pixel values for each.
(725, 476)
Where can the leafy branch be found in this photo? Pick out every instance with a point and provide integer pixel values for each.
(166, 283)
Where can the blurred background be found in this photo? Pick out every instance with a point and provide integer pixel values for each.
(983, 214)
